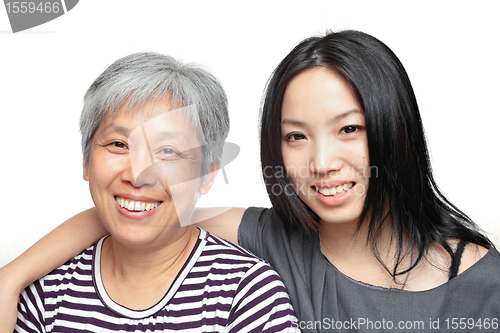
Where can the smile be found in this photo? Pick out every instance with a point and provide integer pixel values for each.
(333, 191)
(136, 206)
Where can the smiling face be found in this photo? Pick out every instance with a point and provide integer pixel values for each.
(144, 173)
(324, 145)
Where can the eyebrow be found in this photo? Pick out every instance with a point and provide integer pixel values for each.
(168, 135)
(332, 120)
(163, 134)
(117, 128)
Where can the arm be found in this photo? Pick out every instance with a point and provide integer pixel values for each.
(82, 230)
(9, 294)
(222, 221)
(72, 237)
(60, 245)
(57, 247)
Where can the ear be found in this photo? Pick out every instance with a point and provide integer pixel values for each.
(86, 172)
(209, 178)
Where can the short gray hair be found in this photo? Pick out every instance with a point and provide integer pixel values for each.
(140, 78)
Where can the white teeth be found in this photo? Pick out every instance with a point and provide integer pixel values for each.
(136, 206)
(339, 189)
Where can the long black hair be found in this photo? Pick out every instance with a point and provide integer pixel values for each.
(403, 193)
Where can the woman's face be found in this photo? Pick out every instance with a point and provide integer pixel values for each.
(324, 145)
(144, 173)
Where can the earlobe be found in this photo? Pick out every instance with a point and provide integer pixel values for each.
(86, 172)
(209, 178)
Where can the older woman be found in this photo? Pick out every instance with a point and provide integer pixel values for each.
(147, 159)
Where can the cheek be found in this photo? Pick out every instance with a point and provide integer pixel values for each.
(100, 166)
(183, 176)
(359, 159)
(297, 170)
(184, 196)
(359, 151)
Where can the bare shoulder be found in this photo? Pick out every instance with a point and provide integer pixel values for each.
(434, 270)
(220, 221)
(472, 254)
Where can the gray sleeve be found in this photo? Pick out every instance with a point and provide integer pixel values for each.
(250, 230)
(296, 257)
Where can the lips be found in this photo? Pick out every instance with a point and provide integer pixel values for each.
(334, 193)
(334, 190)
(136, 205)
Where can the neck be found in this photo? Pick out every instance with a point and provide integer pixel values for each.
(349, 250)
(145, 273)
(344, 241)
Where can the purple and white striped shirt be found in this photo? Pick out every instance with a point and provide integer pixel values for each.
(221, 288)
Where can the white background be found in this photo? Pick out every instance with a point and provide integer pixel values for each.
(450, 50)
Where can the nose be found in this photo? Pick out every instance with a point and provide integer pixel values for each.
(152, 176)
(325, 157)
(143, 171)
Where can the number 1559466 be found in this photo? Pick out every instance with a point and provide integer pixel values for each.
(24, 7)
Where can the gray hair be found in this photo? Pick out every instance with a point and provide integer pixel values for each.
(148, 77)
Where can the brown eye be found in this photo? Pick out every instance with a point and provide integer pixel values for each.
(119, 145)
(295, 137)
(349, 129)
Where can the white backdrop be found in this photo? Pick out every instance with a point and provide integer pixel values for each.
(450, 51)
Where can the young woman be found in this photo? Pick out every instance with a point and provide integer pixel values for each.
(359, 231)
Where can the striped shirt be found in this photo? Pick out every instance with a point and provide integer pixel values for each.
(221, 288)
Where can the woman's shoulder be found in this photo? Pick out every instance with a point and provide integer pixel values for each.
(265, 233)
(438, 268)
(263, 221)
(220, 221)
(262, 215)
(472, 254)
(256, 214)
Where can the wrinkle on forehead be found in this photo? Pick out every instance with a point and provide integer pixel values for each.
(148, 109)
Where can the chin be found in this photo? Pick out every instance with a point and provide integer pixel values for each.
(134, 234)
(339, 218)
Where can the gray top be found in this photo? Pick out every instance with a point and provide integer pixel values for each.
(325, 300)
